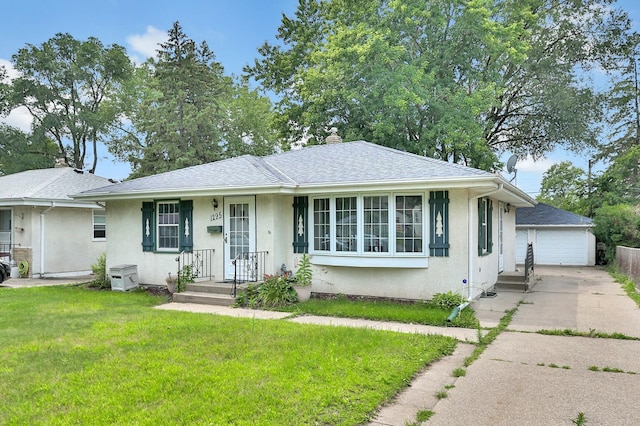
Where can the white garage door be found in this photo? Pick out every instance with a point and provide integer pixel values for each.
(521, 246)
(561, 247)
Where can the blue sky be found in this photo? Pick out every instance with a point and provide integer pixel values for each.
(233, 29)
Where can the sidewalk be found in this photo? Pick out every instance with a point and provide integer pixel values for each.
(462, 334)
(44, 282)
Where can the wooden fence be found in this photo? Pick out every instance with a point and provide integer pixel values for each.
(628, 261)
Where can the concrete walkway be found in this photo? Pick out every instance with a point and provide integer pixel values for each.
(45, 282)
(533, 379)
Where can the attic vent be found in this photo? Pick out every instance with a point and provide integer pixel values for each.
(60, 162)
(333, 137)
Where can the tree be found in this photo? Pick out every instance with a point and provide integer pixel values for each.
(620, 183)
(21, 152)
(459, 80)
(248, 126)
(184, 111)
(66, 86)
(565, 186)
(617, 225)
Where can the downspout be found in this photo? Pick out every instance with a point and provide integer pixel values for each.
(42, 234)
(471, 255)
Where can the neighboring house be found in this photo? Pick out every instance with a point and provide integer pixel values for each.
(559, 237)
(42, 225)
(375, 221)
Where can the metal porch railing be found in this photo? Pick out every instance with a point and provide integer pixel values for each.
(6, 251)
(248, 267)
(528, 262)
(200, 263)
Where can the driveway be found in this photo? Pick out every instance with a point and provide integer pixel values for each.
(525, 378)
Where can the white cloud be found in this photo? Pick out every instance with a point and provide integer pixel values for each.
(145, 45)
(20, 118)
(530, 165)
(11, 72)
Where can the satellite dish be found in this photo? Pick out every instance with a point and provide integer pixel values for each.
(511, 166)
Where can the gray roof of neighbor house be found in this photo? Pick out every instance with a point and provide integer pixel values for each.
(546, 215)
(340, 165)
(44, 186)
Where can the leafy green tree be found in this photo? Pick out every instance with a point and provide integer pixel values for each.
(617, 225)
(620, 183)
(66, 86)
(460, 80)
(566, 187)
(248, 125)
(21, 152)
(184, 111)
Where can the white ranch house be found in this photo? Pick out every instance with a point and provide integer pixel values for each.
(41, 225)
(375, 221)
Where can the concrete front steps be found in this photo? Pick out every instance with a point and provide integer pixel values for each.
(207, 293)
(514, 281)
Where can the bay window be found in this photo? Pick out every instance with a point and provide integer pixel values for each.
(368, 225)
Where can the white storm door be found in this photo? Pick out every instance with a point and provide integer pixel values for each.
(500, 237)
(239, 234)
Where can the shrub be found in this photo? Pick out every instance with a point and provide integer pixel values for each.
(100, 272)
(617, 226)
(185, 275)
(448, 300)
(273, 292)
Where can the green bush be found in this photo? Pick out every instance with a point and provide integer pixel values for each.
(185, 275)
(274, 291)
(448, 300)
(617, 226)
(99, 269)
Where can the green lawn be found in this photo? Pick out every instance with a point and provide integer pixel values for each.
(75, 356)
(383, 310)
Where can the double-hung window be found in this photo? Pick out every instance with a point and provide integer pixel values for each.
(369, 225)
(485, 213)
(99, 225)
(166, 225)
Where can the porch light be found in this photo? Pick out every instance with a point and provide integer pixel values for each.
(507, 208)
(214, 203)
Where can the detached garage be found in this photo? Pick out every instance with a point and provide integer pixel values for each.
(559, 237)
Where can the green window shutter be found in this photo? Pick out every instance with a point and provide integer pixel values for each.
(186, 225)
(300, 224)
(148, 226)
(439, 225)
(489, 226)
(480, 226)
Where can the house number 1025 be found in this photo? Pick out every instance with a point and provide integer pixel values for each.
(216, 215)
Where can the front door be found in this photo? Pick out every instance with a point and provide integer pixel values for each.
(500, 238)
(239, 233)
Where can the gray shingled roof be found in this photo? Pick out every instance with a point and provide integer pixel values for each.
(48, 184)
(546, 215)
(347, 162)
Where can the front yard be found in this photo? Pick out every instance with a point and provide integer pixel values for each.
(74, 356)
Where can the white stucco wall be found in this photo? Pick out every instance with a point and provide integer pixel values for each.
(274, 234)
(442, 274)
(68, 234)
